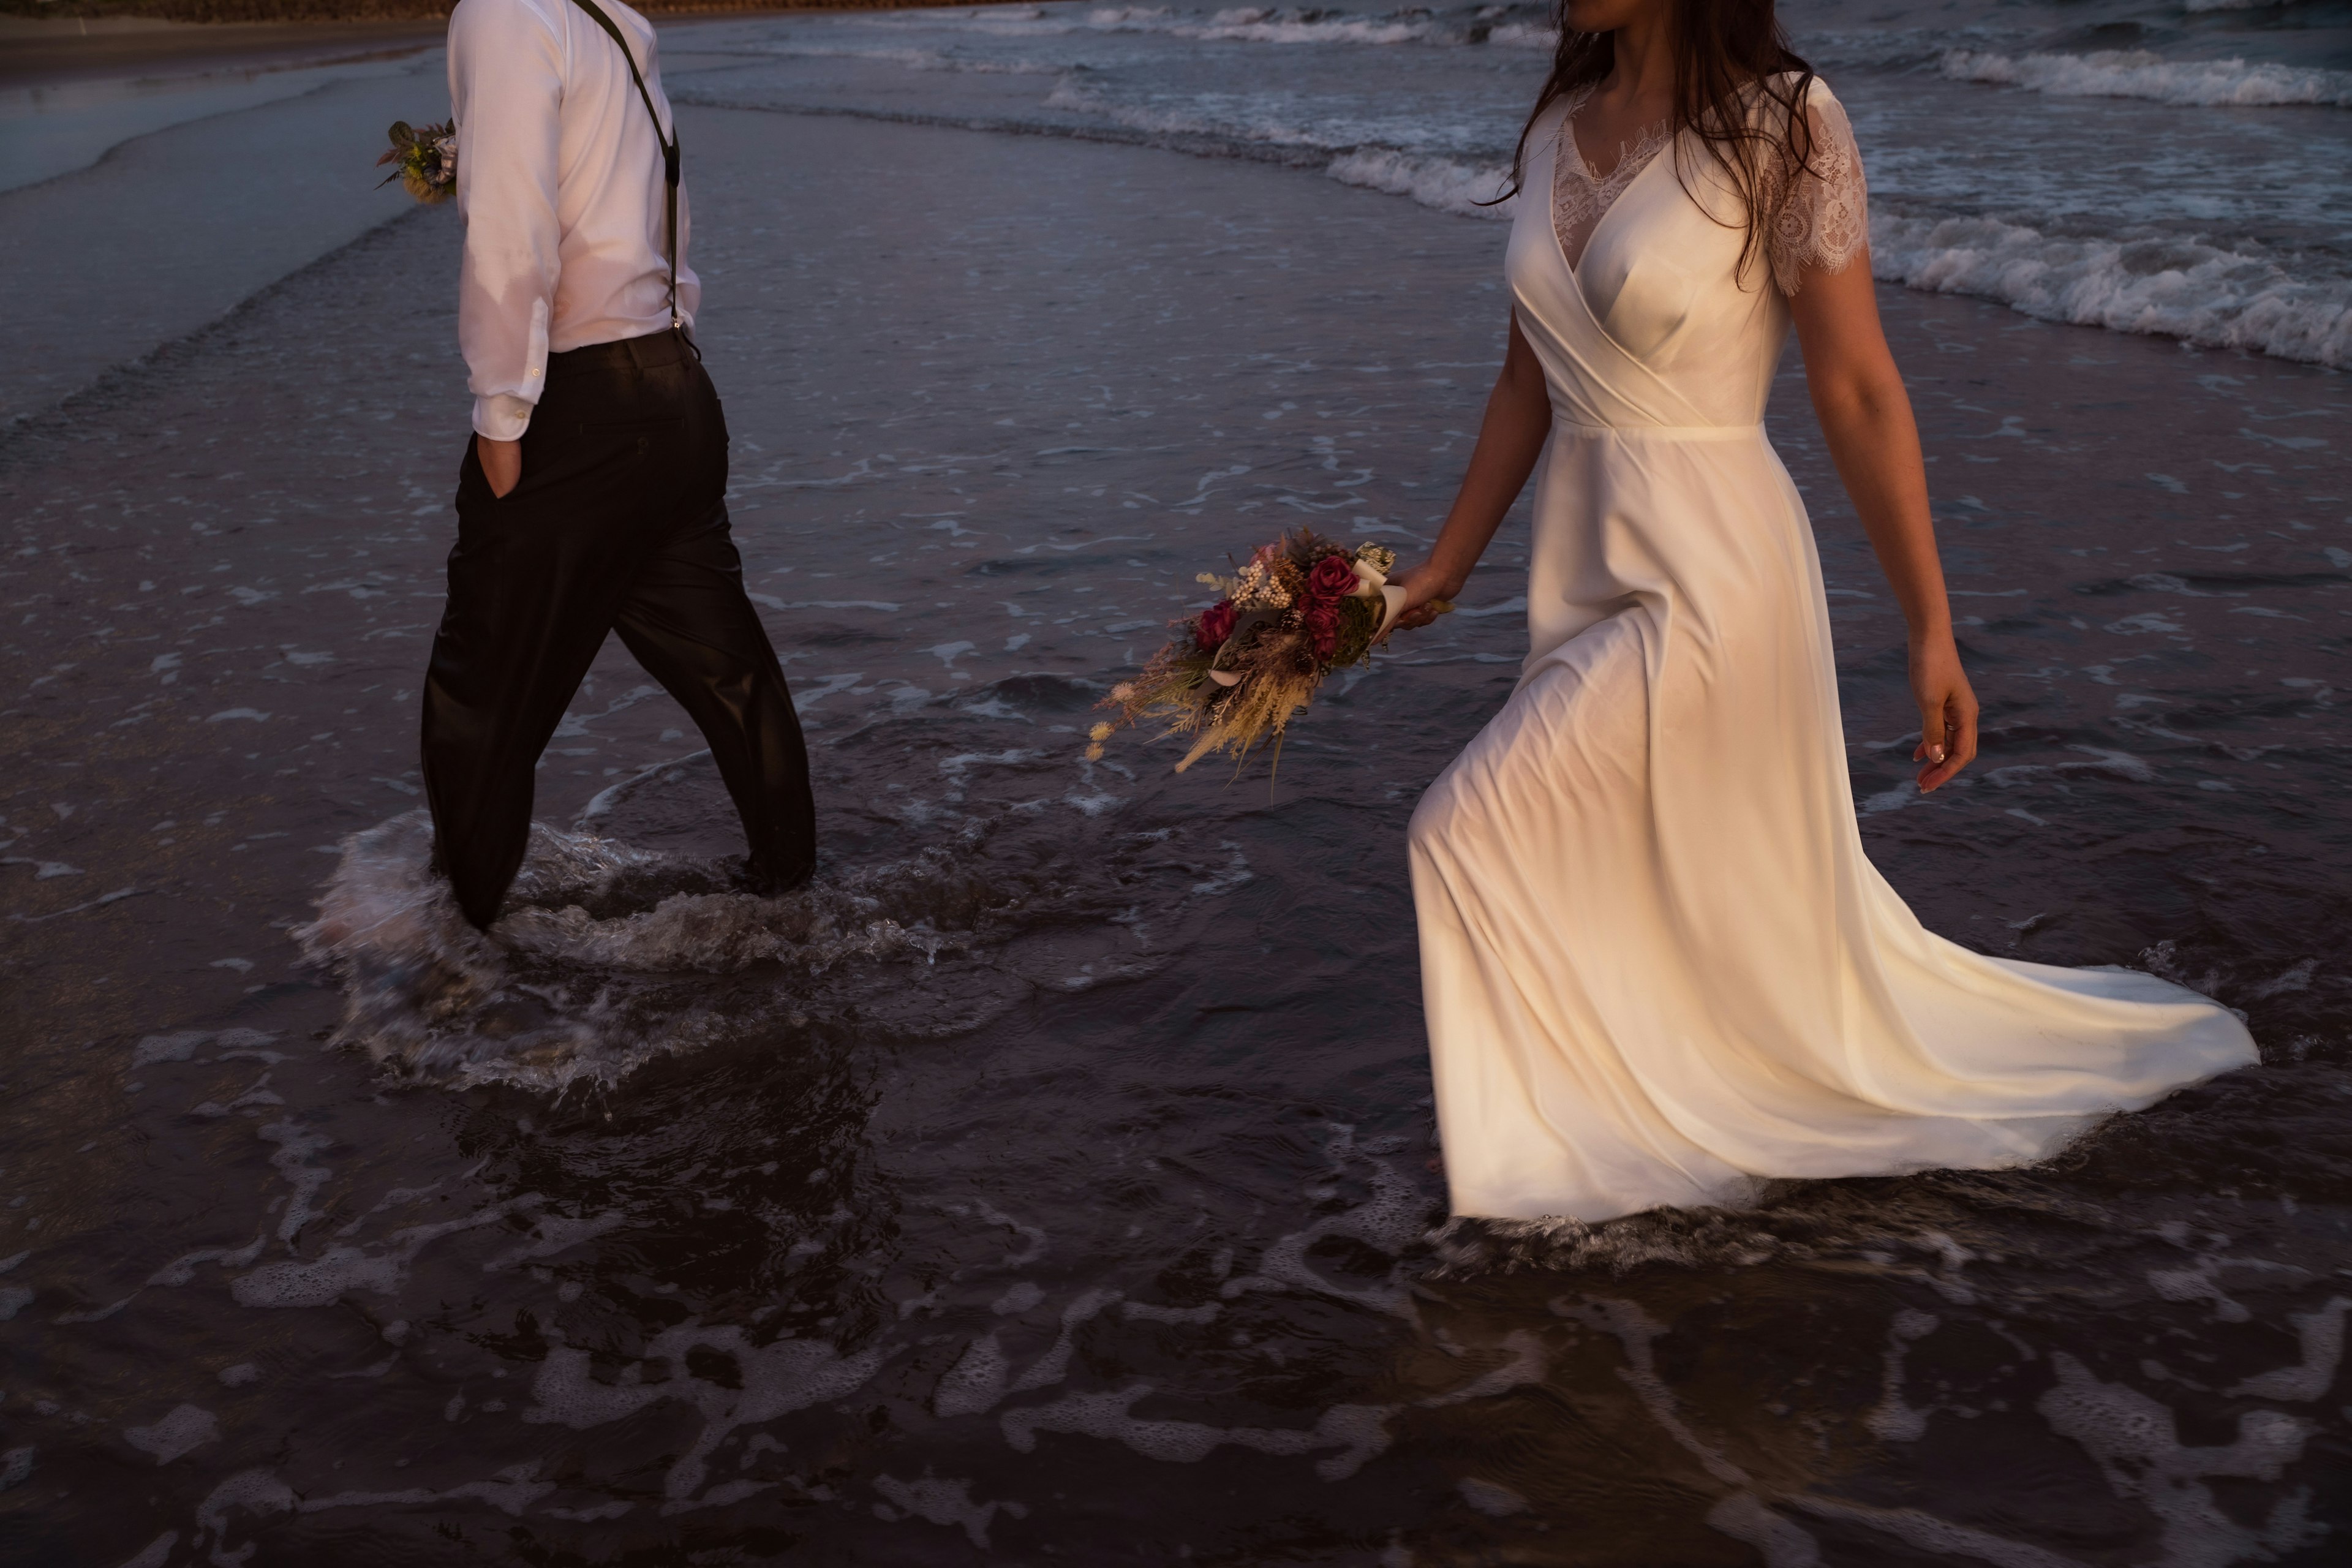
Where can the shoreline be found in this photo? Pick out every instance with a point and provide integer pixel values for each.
(165, 51)
(60, 19)
(51, 51)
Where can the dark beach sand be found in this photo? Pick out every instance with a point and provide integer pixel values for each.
(994, 400)
(53, 54)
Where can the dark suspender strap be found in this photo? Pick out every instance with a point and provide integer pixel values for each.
(668, 147)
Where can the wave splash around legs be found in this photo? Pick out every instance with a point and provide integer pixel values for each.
(609, 955)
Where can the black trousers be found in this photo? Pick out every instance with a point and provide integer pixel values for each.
(619, 525)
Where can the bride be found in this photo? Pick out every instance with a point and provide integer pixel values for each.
(1655, 962)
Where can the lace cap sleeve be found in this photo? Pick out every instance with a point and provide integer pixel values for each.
(1821, 218)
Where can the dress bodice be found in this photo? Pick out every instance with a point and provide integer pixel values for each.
(1581, 196)
(1658, 322)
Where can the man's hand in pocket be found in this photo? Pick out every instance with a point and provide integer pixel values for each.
(501, 463)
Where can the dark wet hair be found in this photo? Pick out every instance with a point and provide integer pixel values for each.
(1738, 87)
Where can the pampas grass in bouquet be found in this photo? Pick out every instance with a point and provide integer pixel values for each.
(1239, 671)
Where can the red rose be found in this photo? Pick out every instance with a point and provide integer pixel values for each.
(1215, 624)
(1334, 577)
(1322, 621)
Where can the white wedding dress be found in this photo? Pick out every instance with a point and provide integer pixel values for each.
(1656, 962)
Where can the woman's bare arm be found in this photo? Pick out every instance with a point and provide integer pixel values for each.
(1858, 395)
(1510, 439)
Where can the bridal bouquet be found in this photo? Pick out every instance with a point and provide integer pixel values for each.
(424, 159)
(1240, 670)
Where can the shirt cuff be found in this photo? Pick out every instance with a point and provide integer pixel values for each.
(501, 417)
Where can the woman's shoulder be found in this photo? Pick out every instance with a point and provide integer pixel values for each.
(1786, 88)
(1774, 102)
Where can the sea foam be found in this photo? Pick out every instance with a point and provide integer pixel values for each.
(2207, 296)
(2135, 73)
(916, 59)
(1446, 183)
(603, 960)
(1266, 25)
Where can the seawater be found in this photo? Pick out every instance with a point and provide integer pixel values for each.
(2145, 167)
(1054, 1179)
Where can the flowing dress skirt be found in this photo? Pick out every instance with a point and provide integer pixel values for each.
(1656, 964)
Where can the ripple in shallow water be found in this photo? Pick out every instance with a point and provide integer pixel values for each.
(609, 955)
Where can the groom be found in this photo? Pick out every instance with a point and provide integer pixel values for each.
(593, 495)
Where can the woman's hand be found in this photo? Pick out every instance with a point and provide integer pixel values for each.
(1422, 584)
(1947, 710)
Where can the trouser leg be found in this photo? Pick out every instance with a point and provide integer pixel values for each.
(688, 620)
(527, 610)
(619, 517)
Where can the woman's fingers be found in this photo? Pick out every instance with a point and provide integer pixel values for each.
(1948, 738)
(1931, 747)
(1963, 731)
(1418, 614)
(1947, 712)
(1933, 752)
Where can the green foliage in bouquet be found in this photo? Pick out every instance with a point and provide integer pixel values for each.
(424, 159)
(1239, 671)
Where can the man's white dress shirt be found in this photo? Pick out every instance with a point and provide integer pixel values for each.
(560, 181)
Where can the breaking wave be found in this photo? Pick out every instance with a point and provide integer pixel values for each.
(1446, 183)
(1518, 26)
(1254, 124)
(1266, 25)
(914, 59)
(1434, 179)
(2135, 73)
(2206, 296)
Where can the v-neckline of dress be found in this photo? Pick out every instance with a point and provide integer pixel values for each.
(1625, 149)
(1566, 145)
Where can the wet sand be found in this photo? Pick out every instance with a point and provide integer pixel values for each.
(49, 52)
(36, 53)
(893, 1251)
(134, 212)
